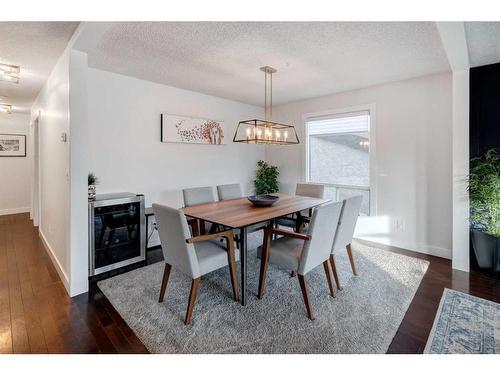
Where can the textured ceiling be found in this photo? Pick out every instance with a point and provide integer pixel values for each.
(483, 40)
(35, 46)
(313, 59)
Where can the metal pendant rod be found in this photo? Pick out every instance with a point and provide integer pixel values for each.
(268, 91)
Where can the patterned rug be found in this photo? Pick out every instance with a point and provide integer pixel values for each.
(465, 324)
(363, 318)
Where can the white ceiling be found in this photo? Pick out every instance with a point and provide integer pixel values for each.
(313, 59)
(35, 46)
(483, 40)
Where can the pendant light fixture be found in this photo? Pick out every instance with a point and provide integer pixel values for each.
(266, 131)
(5, 108)
(10, 73)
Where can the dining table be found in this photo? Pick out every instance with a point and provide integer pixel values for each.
(241, 213)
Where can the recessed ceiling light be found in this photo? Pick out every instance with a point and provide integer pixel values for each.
(10, 73)
(5, 108)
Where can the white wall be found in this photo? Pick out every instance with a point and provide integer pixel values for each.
(460, 170)
(62, 109)
(127, 155)
(53, 105)
(79, 166)
(15, 171)
(455, 45)
(413, 159)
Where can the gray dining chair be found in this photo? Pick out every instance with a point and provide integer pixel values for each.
(298, 219)
(310, 190)
(345, 232)
(193, 256)
(194, 196)
(235, 191)
(302, 252)
(229, 191)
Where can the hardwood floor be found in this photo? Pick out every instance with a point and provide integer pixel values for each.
(37, 315)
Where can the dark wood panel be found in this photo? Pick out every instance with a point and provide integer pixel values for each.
(43, 319)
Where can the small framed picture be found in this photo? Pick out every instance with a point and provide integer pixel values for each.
(12, 145)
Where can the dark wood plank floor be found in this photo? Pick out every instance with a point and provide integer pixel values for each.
(37, 315)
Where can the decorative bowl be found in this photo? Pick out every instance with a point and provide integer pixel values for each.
(263, 200)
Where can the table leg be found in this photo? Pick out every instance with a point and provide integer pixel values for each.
(147, 232)
(243, 260)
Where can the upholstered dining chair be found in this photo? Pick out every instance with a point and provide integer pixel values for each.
(194, 196)
(310, 190)
(296, 220)
(193, 256)
(345, 232)
(302, 252)
(229, 191)
(235, 191)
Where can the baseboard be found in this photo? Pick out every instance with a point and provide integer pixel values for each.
(423, 249)
(55, 261)
(12, 211)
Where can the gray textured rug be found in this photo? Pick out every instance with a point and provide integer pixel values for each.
(465, 324)
(363, 318)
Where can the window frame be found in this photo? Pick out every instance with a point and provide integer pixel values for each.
(371, 109)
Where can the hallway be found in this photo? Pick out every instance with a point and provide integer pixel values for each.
(36, 313)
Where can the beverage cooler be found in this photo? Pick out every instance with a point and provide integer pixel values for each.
(116, 231)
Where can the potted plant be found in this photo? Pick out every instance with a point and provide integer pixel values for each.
(484, 196)
(266, 178)
(92, 182)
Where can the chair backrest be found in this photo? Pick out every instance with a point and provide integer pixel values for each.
(229, 191)
(173, 229)
(322, 232)
(310, 190)
(199, 195)
(347, 222)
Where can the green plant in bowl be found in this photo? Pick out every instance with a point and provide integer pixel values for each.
(266, 178)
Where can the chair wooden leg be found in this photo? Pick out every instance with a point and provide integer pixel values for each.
(195, 228)
(203, 228)
(334, 270)
(192, 299)
(232, 268)
(164, 282)
(303, 287)
(264, 261)
(328, 272)
(298, 223)
(351, 259)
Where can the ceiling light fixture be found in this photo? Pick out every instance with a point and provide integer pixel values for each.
(10, 73)
(5, 108)
(266, 131)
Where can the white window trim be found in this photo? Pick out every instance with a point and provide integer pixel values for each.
(371, 108)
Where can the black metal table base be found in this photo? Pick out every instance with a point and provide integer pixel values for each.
(243, 261)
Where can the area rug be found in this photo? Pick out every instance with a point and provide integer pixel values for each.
(363, 318)
(465, 324)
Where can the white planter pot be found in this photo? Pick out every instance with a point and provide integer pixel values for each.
(92, 193)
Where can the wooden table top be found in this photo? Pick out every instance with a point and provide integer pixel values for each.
(237, 213)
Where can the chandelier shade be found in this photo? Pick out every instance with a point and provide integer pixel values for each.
(266, 131)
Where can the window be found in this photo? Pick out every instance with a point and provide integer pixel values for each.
(338, 155)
